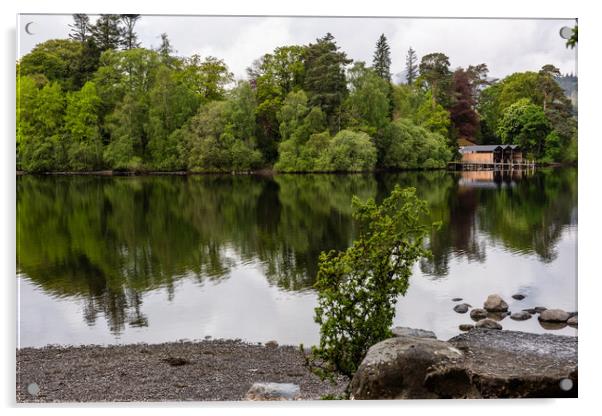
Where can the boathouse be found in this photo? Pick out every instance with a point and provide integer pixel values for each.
(493, 154)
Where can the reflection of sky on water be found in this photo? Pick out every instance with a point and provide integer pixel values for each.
(246, 306)
(235, 257)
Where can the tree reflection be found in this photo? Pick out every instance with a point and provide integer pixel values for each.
(109, 240)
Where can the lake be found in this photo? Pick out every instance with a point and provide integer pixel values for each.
(109, 260)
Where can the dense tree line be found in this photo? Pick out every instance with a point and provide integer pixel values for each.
(100, 101)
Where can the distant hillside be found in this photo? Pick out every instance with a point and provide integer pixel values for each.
(569, 84)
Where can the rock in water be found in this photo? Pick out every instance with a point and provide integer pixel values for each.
(402, 331)
(273, 391)
(539, 309)
(520, 316)
(495, 303)
(477, 314)
(498, 316)
(532, 311)
(572, 321)
(554, 315)
(397, 367)
(518, 296)
(462, 308)
(456, 299)
(465, 327)
(488, 324)
(477, 364)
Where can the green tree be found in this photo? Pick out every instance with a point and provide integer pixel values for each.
(128, 135)
(208, 77)
(165, 49)
(349, 151)
(433, 117)
(82, 129)
(359, 287)
(130, 39)
(434, 70)
(273, 76)
(218, 137)
(368, 102)
(107, 32)
(526, 125)
(80, 28)
(404, 145)
(325, 81)
(411, 66)
(40, 115)
(56, 59)
(298, 125)
(381, 61)
(171, 104)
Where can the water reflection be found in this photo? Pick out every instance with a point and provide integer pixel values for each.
(107, 242)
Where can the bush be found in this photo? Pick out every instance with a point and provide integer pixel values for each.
(403, 145)
(350, 151)
(358, 288)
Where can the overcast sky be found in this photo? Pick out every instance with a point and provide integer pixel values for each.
(506, 46)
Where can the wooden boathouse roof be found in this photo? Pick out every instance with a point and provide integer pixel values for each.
(488, 148)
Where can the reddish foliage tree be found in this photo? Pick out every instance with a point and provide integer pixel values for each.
(462, 113)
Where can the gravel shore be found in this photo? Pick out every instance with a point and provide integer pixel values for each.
(181, 371)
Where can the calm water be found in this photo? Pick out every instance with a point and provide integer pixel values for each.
(109, 260)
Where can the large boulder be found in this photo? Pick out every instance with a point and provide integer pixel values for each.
(402, 331)
(397, 367)
(478, 364)
(554, 315)
(518, 364)
(495, 303)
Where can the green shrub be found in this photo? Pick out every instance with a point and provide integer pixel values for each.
(358, 288)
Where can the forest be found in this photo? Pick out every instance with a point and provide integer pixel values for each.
(100, 101)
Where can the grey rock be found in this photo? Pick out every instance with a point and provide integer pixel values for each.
(516, 364)
(402, 331)
(532, 311)
(540, 309)
(488, 323)
(552, 326)
(465, 327)
(498, 316)
(571, 314)
(397, 367)
(518, 296)
(495, 303)
(572, 321)
(554, 315)
(462, 308)
(520, 316)
(480, 363)
(477, 314)
(456, 299)
(273, 391)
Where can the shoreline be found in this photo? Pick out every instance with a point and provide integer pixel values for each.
(258, 172)
(208, 370)
(225, 370)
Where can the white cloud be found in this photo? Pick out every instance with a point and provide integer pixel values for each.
(505, 45)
